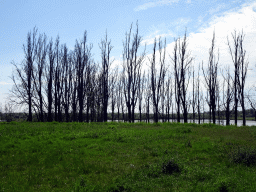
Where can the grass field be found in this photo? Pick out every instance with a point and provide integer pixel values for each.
(126, 157)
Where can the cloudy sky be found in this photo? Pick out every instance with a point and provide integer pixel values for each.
(165, 18)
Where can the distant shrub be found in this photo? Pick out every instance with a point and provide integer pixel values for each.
(170, 167)
(244, 155)
(184, 130)
(13, 123)
(54, 122)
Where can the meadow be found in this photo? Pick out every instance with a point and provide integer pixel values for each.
(126, 157)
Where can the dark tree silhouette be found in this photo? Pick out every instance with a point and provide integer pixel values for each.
(140, 93)
(242, 76)
(147, 95)
(168, 96)
(181, 60)
(157, 75)
(83, 70)
(132, 63)
(238, 58)
(227, 94)
(193, 97)
(210, 76)
(252, 103)
(113, 88)
(106, 48)
(37, 74)
(49, 70)
(67, 80)
(57, 82)
(23, 89)
(119, 97)
(198, 96)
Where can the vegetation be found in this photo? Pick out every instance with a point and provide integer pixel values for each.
(53, 83)
(140, 116)
(55, 156)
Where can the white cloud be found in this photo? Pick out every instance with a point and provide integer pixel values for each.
(224, 25)
(239, 19)
(154, 4)
(200, 42)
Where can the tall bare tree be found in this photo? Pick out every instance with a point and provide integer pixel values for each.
(132, 63)
(119, 97)
(227, 94)
(49, 71)
(83, 69)
(198, 96)
(168, 96)
(113, 89)
(210, 76)
(147, 95)
(157, 75)
(194, 96)
(67, 66)
(106, 48)
(23, 89)
(242, 76)
(140, 93)
(238, 57)
(38, 74)
(181, 60)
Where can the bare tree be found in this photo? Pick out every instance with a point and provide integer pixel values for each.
(83, 69)
(57, 82)
(49, 71)
(252, 102)
(210, 76)
(113, 89)
(67, 79)
(242, 76)
(147, 96)
(168, 96)
(132, 63)
(38, 74)
(227, 94)
(91, 90)
(199, 96)
(8, 110)
(193, 97)
(140, 92)
(106, 48)
(1, 112)
(119, 97)
(238, 58)
(157, 76)
(181, 60)
(177, 79)
(23, 92)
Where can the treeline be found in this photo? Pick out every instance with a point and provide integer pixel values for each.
(57, 84)
(10, 115)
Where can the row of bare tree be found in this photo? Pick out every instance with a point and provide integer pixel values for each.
(55, 83)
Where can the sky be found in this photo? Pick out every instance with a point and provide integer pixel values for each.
(166, 18)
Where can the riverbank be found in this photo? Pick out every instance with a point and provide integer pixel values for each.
(126, 157)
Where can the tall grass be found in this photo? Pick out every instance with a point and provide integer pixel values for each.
(126, 157)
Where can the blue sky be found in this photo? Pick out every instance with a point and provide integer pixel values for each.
(165, 18)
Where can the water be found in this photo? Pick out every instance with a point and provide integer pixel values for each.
(221, 122)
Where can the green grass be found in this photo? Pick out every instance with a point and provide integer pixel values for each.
(126, 157)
